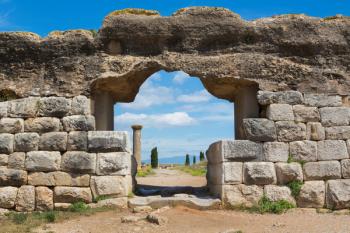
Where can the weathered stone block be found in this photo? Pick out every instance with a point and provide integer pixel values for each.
(215, 174)
(25, 201)
(8, 197)
(11, 125)
(303, 150)
(54, 106)
(278, 193)
(259, 173)
(312, 195)
(280, 112)
(324, 170)
(72, 194)
(44, 199)
(233, 172)
(259, 129)
(12, 177)
(276, 151)
(44, 161)
(25, 142)
(283, 97)
(24, 108)
(78, 123)
(332, 150)
(345, 168)
(42, 125)
(288, 131)
(288, 172)
(3, 160)
(77, 141)
(108, 141)
(58, 179)
(322, 100)
(315, 131)
(117, 163)
(3, 109)
(242, 195)
(81, 106)
(54, 141)
(79, 162)
(338, 132)
(116, 186)
(335, 116)
(17, 160)
(306, 114)
(338, 194)
(6, 143)
(242, 150)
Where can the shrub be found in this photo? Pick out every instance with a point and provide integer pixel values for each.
(265, 205)
(78, 207)
(201, 156)
(100, 198)
(50, 216)
(187, 160)
(295, 187)
(145, 171)
(154, 157)
(194, 160)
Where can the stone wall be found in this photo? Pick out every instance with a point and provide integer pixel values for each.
(299, 137)
(51, 155)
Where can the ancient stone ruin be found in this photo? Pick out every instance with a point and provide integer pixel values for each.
(287, 75)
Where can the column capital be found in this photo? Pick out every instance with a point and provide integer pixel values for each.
(136, 127)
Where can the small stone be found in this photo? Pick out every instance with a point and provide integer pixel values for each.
(108, 141)
(324, 170)
(6, 143)
(81, 106)
(23, 108)
(77, 141)
(8, 197)
(25, 142)
(306, 114)
(12, 177)
(303, 150)
(11, 125)
(54, 106)
(44, 198)
(259, 173)
(3, 109)
(259, 129)
(114, 186)
(3, 160)
(280, 112)
(288, 172)
(17, 160)
(335, 116)
(62, 206)
(315, 131)
(288, 131)
(25, 201)
(78, 123)
(79, 162)
(338, 132)
(233, 172)
(44, 161)
(42, 125)
(312, 195)
(332, 150)
(242, 195)
(157, 219)
(121, 202)
(283, 97)
(338, 194)
(322, 100)
(276, 151)
(131, 219)
(278, 193)
(117, 163)
(53, 141)
(72, 195)
(142, 209)
(345, 168)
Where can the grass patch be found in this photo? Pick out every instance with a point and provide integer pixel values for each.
(78, 207)
(295, 187)
(199, 169)
(134, 11)
(292, 160)
(265, 205)
(145, 171)
(100, 198)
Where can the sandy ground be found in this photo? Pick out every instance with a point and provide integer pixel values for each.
(183, 220)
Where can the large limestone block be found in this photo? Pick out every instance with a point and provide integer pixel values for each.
(12, 177)
(78, 123)
(242, 195)
(332, 150)
(17, 160)
(323, 170)
(338, 132)
(259, 129)
(81, 105)
(303, 150)
(278, 193)
(24, 108)
(288, 131)
(44, 199)
(6, 143)
(338, 194)
(280, 112)
(72, 194)
(117, 163)
(315, 131)
(233, 172)
(25, 142)
(335, 116)
(8, 197)
(44, 161)
(312, 195)
(25, 201)
(288, 172)
(306, 114)
(58, 179)
(282, 97)
(3, 109)
(276, 151)
(116, 186)
(79, 162)
(77, 141)
(108, 141)
(42, 125)
(259, 173)
(54, 106)
(345, 168)
(53, 141)
(11, 125)
(322, 100)
(4, 159)
(215, 174)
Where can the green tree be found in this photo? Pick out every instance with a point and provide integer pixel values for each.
(201, 156)
(154, 157)
(187, 162)
(194, 160)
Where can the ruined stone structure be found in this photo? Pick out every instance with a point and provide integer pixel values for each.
(287, 75)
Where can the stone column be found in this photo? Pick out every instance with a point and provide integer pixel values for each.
(137, 144)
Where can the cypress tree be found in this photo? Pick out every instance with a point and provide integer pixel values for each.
(194, 160)
(187, 162)
(154, 157)
(201, 156)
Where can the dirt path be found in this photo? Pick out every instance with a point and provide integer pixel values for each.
(183, 220)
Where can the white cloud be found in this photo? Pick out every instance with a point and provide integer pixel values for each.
(180, 77)
(218, 118)
(196, 97)
(225, 107)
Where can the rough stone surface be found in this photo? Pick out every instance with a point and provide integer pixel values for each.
(17, 160)
(108, 141)
(246, 195)
(288, 172)
(259, 129)
(78, 123)
(43, 199)
(72, 195)
(282, 97)
(116, 186)
(288, 131)
(4, 159)
(42, 125)
(233, 173)
(54, 106)
(3, 109)
(312, 195)
(306, 114)
(25, 108)
(81, 106)
(79, 162)
(12, 177)
(303, 150)
(276, 151)
(117, 163)
(25, 142)
(280, 112)
(322, 100)
(11, 125)
(345, 168)
(323, 170)
(25, 201)
(54, 141)
(278, 193)
(58, 179)
(8, 197)
(338, 132)
(338, 194)
(259, 173)
(335, 116)
(44, 161)
(332, 150)
(315, 131)
(6, 143)
(77, 141)
(121, 202)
